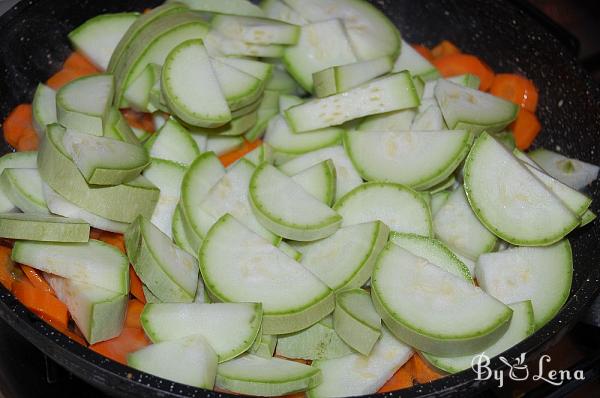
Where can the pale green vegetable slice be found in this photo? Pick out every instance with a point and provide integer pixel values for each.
(39, 227)
(23, 189)
(356, 321)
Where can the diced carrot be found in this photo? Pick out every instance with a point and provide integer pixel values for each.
(138, 120)
(135, 286)
(41, 302)
(525, 129)
(36, 279)
(458, 64)
(424, 51)
(232, 156)
(114, 239)
(117, 349)
(403, 378)
(444, 48)
(17, 120)
(6, 268)
(517, 89)
(29, 140)
(423, 372)
(134, 310)
(65, 76)
(78, 61)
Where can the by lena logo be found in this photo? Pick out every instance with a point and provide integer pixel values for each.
(519, 370)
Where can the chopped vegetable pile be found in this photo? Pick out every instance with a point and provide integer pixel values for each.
(285, 199)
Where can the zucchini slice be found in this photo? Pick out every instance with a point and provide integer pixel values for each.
(419, 159)
(540, 274)
(433, 310)
(190, 360)
(345, 259)
(23, 189)
(43, 108)
(233, 7)
(173, 142)
(220, 145)
(264, 346)
(138, 92)
(46, 228)
(223, 46)
(116, 127)
(285, 208)
(510, 201)
(260, 70)
(410, 60)
(256, 30)
(267, 377)
(399, 207)
(179, 233)
(281, 138)
(521, 326)
(15, 160)
(193, 94)
(390, 121)
(430, 119)
(386, 94)
(239, 88)
(587, 218)
(319, 181)
(356, 321)
(94, 262)
(277, 9)
(238, 265)
(230, 328)
(575, 173)
(467, 80)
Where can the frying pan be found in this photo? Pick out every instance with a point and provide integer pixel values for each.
(33, 45)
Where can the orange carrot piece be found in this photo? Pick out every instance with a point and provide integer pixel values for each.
(139, 120)
(424, 51)
(135, 286)
(29, 140)
(423, 372)
(458, 64)
(403, 378)
(114, 239)
(65, 76)
(444, 48)
(7, 266)
(41, 302)
(517, 89)
(234, 155)
(78, 61)
(134, 310)
(36, 279)
(525, 129)
(17, 120)
(117, 349)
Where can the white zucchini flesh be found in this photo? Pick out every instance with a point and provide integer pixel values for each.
(204, 173)
(356, 374)
(370, 32)
(419, 159)
(98, 313)
(23, 189)
(467, 80)
(190, 360)
(105, 161)
(170, 273)
(149, 296)
(277, 9)
(289, 251)
(179, 234)
(345, 259)
(260, 70)
(230, 195)
(319, 181)
(219, 45)
(238, 265)
(82, 103)
(473, 110)
(138, 92)
(282, 82)
(540, 274)
(399, 207)
(285, 208)
(256, 30)
(220, 145)
(409, 59)
(236, 127)
(337, 79)
(233, 7)
(433, 251)
(267, 109)
(167, 176)
(521, 326)
(431, 119)
(572, 172)
(193, 93)
(437, 201)
(41, 227)
(61, 206)
(230, 328)
(15, 160)
(98, 37)
(320, 46)
(262, 153)
(239, 88)
(390, 121)
(347, 178)
(433, 310)
(43, 108)
(281, 138)
(94, 262)
(510, 201)
(457, 226)
(116, 127)
(265, 347)
(320, 341)
(386, 94)
(356, 321)
(267, 377)
(173, 142)
(286, 101)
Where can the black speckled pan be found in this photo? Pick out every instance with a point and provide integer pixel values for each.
(33, 45)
